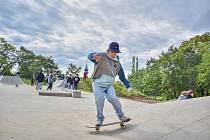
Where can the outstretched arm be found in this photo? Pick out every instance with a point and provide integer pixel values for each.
(91, 57)
(94, 57)
(123, 79)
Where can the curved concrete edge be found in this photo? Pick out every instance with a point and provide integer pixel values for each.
(11, 80)
(55, 93)
(61, 93)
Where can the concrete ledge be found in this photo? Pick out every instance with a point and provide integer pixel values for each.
(55, 93)
(76, 94)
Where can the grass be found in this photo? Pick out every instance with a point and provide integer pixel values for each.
(28, 81)
(85, 85)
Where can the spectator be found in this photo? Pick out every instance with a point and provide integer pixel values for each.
(32, 80)
(40, 79)
(201, 88)
(186, 95)
(50, 81)
(76, 81)
(17, 78)
(183, 95)
(70, 82)
(189, 94)
(85, 75)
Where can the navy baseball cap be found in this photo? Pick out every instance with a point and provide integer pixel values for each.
(114, 46)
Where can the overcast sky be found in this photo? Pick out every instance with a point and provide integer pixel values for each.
(68, 30)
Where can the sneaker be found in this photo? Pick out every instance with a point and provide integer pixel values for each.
(99, 123)
(125, 119)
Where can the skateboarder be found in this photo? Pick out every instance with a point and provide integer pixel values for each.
(107, 67)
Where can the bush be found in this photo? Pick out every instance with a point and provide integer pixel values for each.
(86, 86)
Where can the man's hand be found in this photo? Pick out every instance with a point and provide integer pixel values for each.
(129, 89)
(97, 57)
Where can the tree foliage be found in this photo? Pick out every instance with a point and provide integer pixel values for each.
(29, 64)
(73, 69)
(8, 56)
(178, 69)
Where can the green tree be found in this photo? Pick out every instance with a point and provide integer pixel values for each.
(73, 69)
(180, 68)
(31, 64)
(8, 57)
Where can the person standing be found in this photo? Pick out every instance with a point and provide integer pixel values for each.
(106, 67)
(85, 76)
(40, 79)
(17, 78)
(70, 82)
(202, 89)
(50, 81)
(76, 81)
(32, 80)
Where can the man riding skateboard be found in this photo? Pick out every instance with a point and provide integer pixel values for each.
(107, 67)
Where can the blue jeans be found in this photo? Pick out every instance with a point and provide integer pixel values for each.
(109, 92)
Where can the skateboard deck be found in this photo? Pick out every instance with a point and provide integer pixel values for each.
(122, 125)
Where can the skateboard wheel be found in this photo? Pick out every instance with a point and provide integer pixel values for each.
(122, 125)
(97, 131)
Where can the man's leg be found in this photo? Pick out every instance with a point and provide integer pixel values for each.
(51, 86)
(99, 100)
(76, 85)
(113, 99)
(71, 86)
(48, 86)
(17, 82)
(39, 85)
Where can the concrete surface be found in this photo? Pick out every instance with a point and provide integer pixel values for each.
(76, 94)
(59, 83)
(24, 115)
(53, 92)
(10, 80)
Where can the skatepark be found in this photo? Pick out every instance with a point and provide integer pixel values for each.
(27, 115)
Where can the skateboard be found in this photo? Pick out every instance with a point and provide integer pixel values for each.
(97, 128)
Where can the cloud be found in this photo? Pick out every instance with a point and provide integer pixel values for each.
(69, 30)
(202, 23)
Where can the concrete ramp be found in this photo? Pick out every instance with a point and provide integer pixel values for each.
(59, 83)
(26, 115)
(174, 120)
(10, 80)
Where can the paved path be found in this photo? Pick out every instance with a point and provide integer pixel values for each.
(24, 115)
